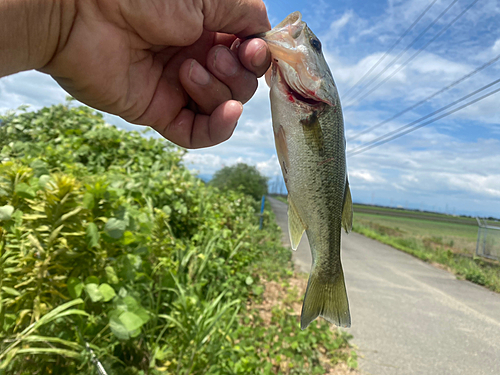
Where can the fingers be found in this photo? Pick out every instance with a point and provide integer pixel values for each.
(224, 65)
(205, 89)
(254, 54)
(225, 77)
(192, 130)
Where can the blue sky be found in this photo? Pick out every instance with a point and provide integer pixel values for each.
(452, 165)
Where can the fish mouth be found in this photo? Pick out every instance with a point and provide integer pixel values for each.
(292, 95)
(295, 63)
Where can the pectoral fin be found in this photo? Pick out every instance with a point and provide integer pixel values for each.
(347, 210)
(296, 226)
(282, 151)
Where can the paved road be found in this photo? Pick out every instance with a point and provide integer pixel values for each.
(409, 317)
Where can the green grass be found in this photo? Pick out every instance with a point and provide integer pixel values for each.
(459, 238)
(435, 216)
(449, 244)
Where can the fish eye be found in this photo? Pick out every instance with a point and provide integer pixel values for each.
(316, 44)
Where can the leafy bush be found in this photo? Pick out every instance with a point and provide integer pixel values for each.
(111, 250)
(241, 177)
(476, 276)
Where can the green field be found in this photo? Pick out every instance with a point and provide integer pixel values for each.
(449, 241)
(434, 216)
(460, 238)
(457, 233)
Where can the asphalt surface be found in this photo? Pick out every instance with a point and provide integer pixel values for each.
(409, 317)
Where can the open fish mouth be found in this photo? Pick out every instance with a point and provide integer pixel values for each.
(303, 97)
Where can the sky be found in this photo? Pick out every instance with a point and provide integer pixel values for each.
(450, 166)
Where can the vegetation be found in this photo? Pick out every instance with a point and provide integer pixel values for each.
(241, 177)
(111, 251)
(415, 214)
(449, 244)
(460, 237)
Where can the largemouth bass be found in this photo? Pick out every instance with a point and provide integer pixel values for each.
(309, 135)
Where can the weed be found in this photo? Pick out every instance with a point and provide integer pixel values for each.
(110, 249)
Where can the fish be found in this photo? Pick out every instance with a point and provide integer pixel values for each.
(309, 136)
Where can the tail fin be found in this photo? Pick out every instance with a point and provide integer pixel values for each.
(326, 297)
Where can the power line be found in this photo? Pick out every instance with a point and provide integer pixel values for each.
(425, 123)
(485, 65)
(426, 116)
(417, 52)
(391, 48)
(393, 61)
(395, 133)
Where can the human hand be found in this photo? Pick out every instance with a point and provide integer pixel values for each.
(141, 60)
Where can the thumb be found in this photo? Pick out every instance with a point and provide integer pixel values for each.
(240, 17)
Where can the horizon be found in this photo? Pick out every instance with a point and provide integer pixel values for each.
(410, 206)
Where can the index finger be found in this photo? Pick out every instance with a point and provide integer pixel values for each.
(242, 18)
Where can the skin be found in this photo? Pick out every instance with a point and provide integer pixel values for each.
(179, 66)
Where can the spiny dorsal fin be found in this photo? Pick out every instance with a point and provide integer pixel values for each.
(296, 226)
(347, 210)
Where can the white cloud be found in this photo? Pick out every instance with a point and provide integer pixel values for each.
(33, 88)
(365, 176)
(270, 167)
(339, 24)
(496, 47)
(461, 174)
(475, 183)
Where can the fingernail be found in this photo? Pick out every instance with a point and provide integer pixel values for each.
(259, 58)
(225, 62)
(198, 74)
(236, 45)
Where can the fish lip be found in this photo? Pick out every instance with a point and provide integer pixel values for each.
(266, 36)
(292, 20)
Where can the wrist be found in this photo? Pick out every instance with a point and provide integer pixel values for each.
(31, 32)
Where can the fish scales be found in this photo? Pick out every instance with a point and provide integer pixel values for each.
(309, 136)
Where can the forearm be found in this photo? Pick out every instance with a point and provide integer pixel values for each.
(31, 31)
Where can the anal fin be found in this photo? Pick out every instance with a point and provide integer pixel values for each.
(296, 226)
